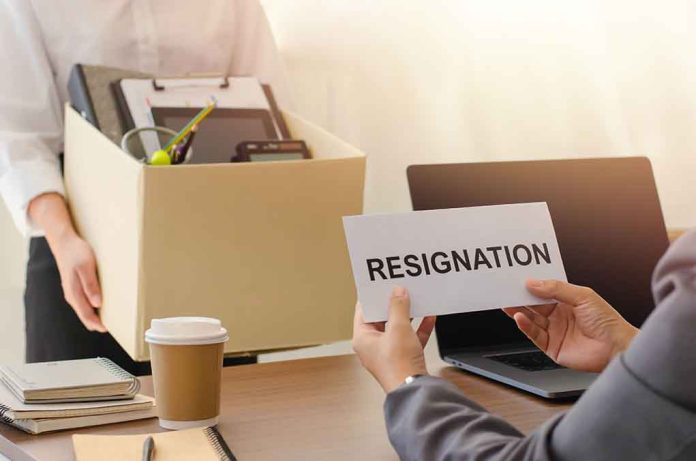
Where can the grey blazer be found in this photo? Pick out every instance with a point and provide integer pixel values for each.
(642, 407)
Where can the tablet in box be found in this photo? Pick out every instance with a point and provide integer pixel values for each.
(220, 132)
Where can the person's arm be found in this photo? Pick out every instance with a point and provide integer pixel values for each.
(30, 139)
(429, 418)
(75, 258)
(30, 116)
(644, 405)
(621, 416)
(669, 334)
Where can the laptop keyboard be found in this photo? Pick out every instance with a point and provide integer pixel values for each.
(529, 361)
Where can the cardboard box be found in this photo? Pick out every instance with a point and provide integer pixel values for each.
(258, 245)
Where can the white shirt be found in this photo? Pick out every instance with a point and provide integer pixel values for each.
(40, 40)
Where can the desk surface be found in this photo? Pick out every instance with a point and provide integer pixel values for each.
(313, 409)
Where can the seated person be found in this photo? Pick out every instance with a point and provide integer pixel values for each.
(642, 405)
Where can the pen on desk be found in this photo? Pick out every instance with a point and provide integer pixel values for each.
(148, 448)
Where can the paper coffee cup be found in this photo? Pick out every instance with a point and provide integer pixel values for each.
(186, 355)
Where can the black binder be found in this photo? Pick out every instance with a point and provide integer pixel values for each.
(90, 93)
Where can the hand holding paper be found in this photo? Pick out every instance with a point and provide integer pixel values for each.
(392, 351)
(453, 260)
(579, 331)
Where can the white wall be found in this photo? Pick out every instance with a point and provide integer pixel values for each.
(420, 81)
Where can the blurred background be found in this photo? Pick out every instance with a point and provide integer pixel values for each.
(426, 81)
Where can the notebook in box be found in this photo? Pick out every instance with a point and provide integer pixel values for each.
(69, 381)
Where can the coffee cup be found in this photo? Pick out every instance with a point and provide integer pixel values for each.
(186, 355)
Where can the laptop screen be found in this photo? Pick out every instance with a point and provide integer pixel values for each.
(607, 218)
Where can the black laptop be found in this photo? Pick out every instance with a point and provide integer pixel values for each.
(611, 234)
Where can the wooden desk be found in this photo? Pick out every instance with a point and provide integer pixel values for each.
(315, 409)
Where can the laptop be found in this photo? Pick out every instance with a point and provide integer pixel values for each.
(611, 234)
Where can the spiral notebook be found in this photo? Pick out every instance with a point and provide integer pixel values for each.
(201, 444)
(81, 380)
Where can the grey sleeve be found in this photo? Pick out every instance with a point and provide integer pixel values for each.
(618, 418)
(430, 419)
(664, 353)
(641, 407)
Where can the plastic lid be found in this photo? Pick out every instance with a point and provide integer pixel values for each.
(186, 330)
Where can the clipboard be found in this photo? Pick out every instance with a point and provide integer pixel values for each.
(241, 99)
(136, 96)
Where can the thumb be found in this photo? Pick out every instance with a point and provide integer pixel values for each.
(560, 291)
(90, 284)
(399, 308)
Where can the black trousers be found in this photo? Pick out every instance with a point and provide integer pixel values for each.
(53, 330)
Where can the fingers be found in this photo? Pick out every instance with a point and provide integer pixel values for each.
(541, 320)
(77, 299)
(90, 285)
(363, 333)
(542, 309)
(360, 324)
(559, 291)
(511, 311)
(399, 308)
(425, 329)
(530, 311)
(358, 320)
(531, 330)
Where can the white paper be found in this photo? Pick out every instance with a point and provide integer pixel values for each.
(487, 283)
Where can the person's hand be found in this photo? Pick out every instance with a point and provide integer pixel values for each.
(74, 257)
(392, 351)
(78, 275)
(580, 330)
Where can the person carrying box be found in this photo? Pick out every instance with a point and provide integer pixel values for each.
(40, 42)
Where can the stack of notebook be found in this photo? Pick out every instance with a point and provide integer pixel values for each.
(51, 396)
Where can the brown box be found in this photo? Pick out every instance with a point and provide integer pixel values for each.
(258, 245)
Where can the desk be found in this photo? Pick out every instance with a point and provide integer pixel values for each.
(325, 408)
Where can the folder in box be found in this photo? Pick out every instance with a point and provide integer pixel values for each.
(258, 245)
